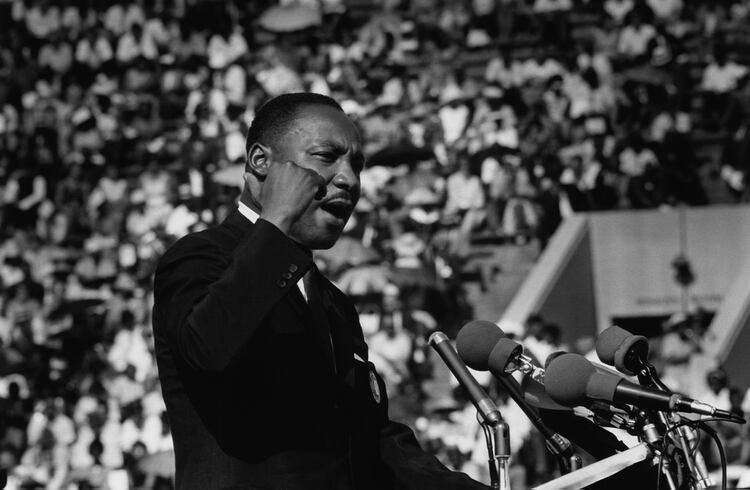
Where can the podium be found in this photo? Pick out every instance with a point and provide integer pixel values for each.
(600, 470)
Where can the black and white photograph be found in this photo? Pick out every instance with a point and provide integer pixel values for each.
(374, 244)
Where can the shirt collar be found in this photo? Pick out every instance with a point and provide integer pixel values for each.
(248, 213)
(252, 216)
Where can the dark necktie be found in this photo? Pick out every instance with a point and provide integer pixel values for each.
(311, 280)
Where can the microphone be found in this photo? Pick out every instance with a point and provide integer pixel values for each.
(629, 354)
(484, 347)
(507, 356)
(484, 405)
(623, 350)
(476, 341)
(498, 444)
(572, 380)
(604, 413)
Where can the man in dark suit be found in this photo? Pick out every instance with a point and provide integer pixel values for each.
(262, 360)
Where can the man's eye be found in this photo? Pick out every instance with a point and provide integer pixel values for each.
(330, 157)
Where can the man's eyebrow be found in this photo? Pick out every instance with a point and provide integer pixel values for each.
(332, 145)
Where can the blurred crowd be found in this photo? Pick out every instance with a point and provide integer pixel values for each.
(122, 127)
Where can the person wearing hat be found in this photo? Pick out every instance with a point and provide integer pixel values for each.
(262, 361)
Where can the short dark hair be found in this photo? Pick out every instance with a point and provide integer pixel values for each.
(275, 116)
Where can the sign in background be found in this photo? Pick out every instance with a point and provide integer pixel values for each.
(602, 266)
(632, 255)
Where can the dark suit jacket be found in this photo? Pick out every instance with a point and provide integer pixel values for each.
(248, 376)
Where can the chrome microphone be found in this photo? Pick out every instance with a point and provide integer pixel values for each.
(572, 380)
(484, 405)
(507, 356)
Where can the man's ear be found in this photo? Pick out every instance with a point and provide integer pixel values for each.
(258, 160)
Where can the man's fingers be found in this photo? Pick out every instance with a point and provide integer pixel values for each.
(318, 181)
(321, 193)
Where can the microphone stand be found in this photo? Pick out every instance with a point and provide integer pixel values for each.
(648, 376)
(559, 446)
(498, 450)
(651, 433)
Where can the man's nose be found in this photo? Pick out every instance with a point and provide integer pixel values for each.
(345, 177)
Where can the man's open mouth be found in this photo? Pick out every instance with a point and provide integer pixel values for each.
(340, 208)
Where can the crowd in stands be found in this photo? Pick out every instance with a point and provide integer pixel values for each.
(122, 128)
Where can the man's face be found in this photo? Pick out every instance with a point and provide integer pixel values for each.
(323, 139)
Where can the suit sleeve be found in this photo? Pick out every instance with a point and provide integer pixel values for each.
(410, 467)
(209, 303)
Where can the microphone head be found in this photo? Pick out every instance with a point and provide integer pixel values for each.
(572, 380)
(502, 353)
(566, 378)
(552, 357)
(475, 341)
(631, 354)
(608, 342)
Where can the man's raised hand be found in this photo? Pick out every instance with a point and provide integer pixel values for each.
(287, 191)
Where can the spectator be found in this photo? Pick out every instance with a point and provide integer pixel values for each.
(94, 49)
(618, 9)
(634, 37)
(464, 190)
(503, 70)
(391, 346)
(24, 194)
(42, 19)
(224, 49)
(454, 114)
(719, 78)
(56, 55)
(717, 394)
(44, 463)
